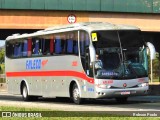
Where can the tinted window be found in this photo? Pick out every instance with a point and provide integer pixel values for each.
(53, 44)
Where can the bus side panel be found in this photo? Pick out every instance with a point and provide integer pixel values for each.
(62, 85)
(13, 85)
(91, 90)
(13, 82)
(55, 86)
(35, 87)
(10, 85)
(51, 86)
(56, 74)
(46, 87)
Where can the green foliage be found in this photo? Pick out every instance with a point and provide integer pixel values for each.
(2, 65)
(2, 68)
(2, 55)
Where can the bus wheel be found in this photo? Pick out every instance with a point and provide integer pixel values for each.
(121, 99)
(25, 93)
(76, 95)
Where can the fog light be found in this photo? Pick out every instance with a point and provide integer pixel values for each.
(104, 86)
(108, 86)
(143, 85)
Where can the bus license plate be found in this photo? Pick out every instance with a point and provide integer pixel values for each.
(125, 93)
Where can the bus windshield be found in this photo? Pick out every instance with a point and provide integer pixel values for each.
(120, 55)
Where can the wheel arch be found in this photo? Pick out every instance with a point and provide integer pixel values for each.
(74, 81)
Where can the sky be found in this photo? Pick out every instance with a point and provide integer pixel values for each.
(2, 42)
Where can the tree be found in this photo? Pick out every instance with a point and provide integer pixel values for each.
(2, 53)
(2, 56)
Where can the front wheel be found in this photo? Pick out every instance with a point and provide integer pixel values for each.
(76, 95)
(25, 95)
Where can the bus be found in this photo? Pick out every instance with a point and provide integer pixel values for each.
(60, 61)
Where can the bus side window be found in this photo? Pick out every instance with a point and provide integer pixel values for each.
(82, 43)
(86, 40)
(40, 47)
(63, 45)
(33, 46)
(75, 43)
(70, 46)
(9, 50)
(58, 47)
(76, 47)
(52, 45)
(29, 47)
(19, 52)
(36, 51)
(15, 50)
(25, 47)
(44, 46)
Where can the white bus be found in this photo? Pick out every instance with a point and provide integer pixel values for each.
(61, 62)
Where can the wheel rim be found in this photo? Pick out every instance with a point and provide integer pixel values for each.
(24, 92)
(76, 94)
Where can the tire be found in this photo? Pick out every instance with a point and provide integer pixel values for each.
(122, 99)
(76, 95)
(25, 95)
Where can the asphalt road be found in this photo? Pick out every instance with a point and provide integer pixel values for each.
(145, 103)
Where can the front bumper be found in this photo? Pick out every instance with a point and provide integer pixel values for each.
(127, 92)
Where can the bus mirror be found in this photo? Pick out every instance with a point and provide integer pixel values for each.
(152, 50)
(92, 53)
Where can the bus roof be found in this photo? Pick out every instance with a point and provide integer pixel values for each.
(89, 26)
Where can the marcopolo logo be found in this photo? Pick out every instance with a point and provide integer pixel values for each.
(124, 85)
(35, 64)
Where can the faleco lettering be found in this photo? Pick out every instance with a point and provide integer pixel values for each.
(33, 64)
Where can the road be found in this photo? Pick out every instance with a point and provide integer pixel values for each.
(146, 103)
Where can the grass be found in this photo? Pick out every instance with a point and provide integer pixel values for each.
(63, 115)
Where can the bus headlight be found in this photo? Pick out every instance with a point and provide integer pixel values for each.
(143, 85)
(108, 86)
(104, 86)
